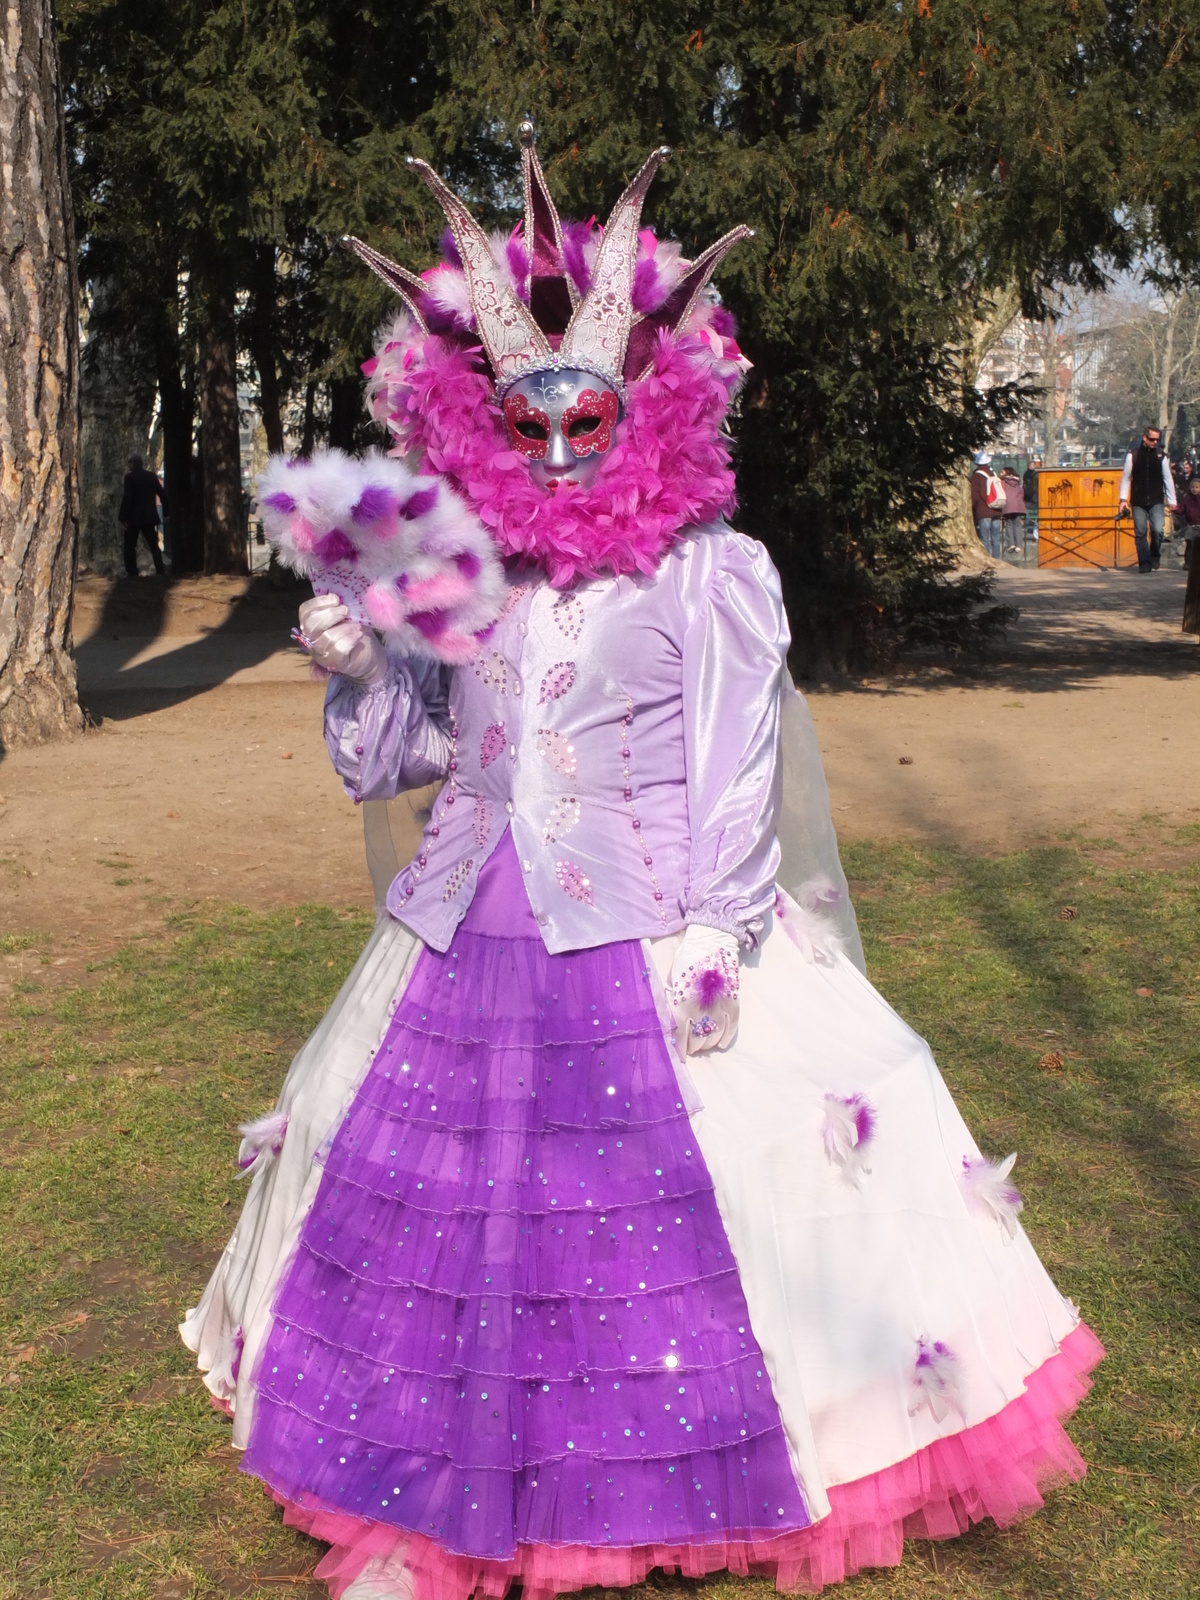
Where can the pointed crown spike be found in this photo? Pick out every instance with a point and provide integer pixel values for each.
(510, 336)
(551, 307)
(639, 354)
(406, 284)
(599, 330)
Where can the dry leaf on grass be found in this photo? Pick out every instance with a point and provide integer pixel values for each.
(1052, 1061)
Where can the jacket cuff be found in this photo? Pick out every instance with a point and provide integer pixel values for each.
(744, 929)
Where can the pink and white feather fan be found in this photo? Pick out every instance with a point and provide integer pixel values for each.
(403, 553)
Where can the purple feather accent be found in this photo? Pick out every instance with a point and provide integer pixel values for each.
(648, 293)
(989, 1191)
(518, 261)
(467, 563)
(864, 1120)
(576, 238)
(449, 249)
(819, 894)
(418, 504)
(280, 501)
(374, 504)
(710, 987)
(262, 1140)
(935, 1379)
(428, 623)
(333, 547)
(724, 322)
(848, 1128)
(656, 275)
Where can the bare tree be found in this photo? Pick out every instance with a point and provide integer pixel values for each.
(954, 495)
(39, 387)
(1151, 366)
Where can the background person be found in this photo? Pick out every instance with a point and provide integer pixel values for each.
(141, 496)
(1147, 486)
(1029, 486)
(1014, 511)
(1189, 514)
(987, 505)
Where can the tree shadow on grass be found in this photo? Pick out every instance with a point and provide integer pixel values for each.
(1101, 1009)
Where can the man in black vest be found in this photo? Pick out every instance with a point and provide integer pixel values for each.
(1147, 485)
(140, 498)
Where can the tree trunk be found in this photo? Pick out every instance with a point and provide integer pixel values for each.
(1167, 371)
(175, 414)
(39, 387)
(220, 444)
(345, 411)
(308, 438)
(262, 348)
(954, 494)
(269, 395)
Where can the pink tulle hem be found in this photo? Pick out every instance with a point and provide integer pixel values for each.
(998, 1469)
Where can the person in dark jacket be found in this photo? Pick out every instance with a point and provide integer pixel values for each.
(1029, 486)
(1188, 515)
(1014, 512)
(140, 498)
(1147, 486)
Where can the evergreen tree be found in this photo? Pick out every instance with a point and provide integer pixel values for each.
(908, 165)
(900, 162)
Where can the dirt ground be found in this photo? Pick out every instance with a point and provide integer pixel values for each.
(204, 773)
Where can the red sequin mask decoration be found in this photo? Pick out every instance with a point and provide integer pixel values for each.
(588, 424)
(528, 427)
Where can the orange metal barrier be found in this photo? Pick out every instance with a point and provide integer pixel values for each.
(1077, 519)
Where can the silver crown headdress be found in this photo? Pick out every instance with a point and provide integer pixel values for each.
(597, 331)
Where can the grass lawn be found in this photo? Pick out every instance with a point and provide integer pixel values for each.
(1072, 1038)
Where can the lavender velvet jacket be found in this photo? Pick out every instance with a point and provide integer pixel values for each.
(627, 732)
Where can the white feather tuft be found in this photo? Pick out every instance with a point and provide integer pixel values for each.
(262, 1140)
(819, 895)
(935, 1381)
(446, 290)
(846, 1133)
(498, 240)
(808, 930)
(989, 1192)
(395, 350)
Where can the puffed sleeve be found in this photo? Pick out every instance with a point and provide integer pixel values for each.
(734, 675)
(391, 736)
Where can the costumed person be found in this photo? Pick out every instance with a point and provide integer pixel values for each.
(610, 1220)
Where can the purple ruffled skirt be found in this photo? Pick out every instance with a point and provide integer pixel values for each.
(513, 1316)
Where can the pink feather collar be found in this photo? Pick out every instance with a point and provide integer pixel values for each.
(668, 470)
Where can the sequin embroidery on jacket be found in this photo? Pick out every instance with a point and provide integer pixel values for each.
(627, 795)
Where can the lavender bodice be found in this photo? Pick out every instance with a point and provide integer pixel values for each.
(626, 730)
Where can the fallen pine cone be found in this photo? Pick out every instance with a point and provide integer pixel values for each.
(1067, 914)
(906, 761)
(1052, 1061)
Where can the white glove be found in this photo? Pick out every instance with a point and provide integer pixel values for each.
(339, 645)
(703, 990)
